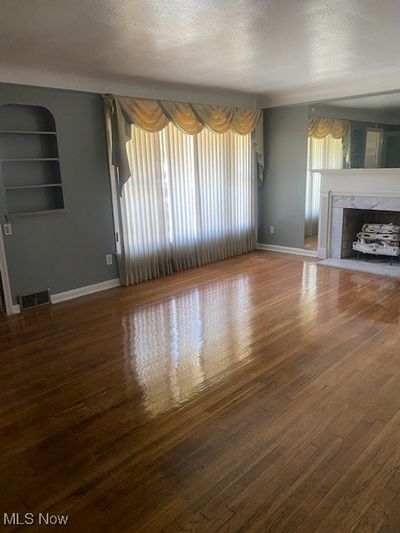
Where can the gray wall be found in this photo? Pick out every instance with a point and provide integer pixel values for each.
(63, 252)
(281, 200)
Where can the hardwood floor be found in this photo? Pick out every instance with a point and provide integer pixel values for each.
(311, 243)
(261, 393)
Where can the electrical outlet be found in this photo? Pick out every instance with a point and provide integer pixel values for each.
(7, 229)
(109, 259)
(272, 228)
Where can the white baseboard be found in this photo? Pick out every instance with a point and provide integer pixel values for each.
(15, 309)
(83, 291)
(286, 249)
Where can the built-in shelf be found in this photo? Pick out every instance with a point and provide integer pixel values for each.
(45, 185)
(13, 216)
(17, 159)
(27, 132)
(29, 162)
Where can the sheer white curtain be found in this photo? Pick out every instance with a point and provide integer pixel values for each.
(190, 200)
(322, 154)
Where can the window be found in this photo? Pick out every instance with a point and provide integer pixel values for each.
(322, 154)
(373, 147)
(190, 200)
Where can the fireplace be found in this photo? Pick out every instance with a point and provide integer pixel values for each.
(349, 199)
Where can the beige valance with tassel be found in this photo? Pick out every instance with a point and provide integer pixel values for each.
(154, 115)
(319, 127)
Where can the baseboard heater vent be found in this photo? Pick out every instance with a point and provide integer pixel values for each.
(36, 299)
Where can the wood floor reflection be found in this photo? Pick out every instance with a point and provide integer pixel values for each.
(258, 393)
(181, 344)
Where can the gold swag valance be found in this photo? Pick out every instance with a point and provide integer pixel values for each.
(319, 127)
(154, 115)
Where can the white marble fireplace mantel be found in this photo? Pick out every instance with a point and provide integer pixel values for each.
(371, 188)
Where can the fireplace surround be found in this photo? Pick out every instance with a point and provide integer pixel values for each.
(350, 198)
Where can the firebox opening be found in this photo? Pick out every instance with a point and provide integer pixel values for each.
(353, 222)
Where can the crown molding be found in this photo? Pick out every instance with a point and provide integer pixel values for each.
(335, 92)
(137, 87)
(146, 88)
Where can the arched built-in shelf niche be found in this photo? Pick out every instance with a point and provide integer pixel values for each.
(30, 167)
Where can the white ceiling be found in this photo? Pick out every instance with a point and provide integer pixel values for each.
(270, 52)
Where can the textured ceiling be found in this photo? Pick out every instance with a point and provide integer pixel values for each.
(279, 51)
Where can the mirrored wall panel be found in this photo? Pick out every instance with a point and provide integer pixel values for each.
(349, 133)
